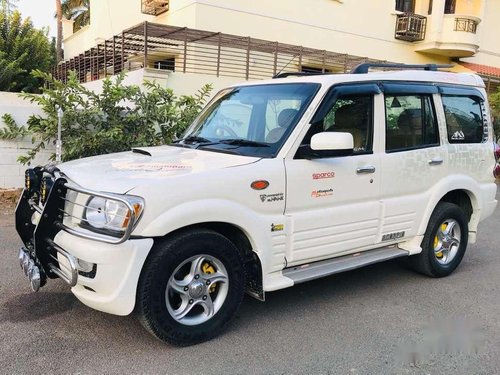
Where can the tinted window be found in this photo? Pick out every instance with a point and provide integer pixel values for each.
(410, 122)
(464, 119)
(351, 114)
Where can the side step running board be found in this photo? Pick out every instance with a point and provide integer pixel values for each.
(311, 271)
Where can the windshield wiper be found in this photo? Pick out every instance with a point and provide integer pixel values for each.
(192, 139)
(243, 142)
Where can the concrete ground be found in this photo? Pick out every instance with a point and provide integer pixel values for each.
(383, 319)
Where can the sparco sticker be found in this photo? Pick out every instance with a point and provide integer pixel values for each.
(272, 197)
(322, 175)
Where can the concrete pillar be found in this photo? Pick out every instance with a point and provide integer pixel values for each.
(436, 24)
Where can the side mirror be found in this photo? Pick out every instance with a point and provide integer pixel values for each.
(327, 145)
(332, 141)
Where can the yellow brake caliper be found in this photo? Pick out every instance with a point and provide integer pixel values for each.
(436, 240)
(208, 269)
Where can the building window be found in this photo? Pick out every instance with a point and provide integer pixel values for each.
(165, 64)
(313, 69)
(407, 6)
(449, 7)
(429, 10)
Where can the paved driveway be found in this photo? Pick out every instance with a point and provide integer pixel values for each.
(377, 320)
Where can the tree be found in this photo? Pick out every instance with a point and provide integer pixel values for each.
(119, 118)
(22, 49)
(494, 100)
(8, 6)
(59, 14)
(78, 11)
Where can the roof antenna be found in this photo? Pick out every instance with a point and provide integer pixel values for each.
(288, 63)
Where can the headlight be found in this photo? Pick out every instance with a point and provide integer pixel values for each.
(109, 214)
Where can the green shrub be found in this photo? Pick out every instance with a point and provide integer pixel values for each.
(494, 100)
(119, 118)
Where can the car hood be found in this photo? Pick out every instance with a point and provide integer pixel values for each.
(121, 172)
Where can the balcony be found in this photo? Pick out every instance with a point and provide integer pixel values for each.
(410, 27)
(154, 7)
(457, 37)
(466, 24)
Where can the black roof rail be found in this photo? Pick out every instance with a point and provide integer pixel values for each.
(363, 68)
(297, 74)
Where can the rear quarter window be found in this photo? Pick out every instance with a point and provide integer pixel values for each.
(465, 121)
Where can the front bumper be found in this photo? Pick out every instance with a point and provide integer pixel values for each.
(53, 250)
(118, 267)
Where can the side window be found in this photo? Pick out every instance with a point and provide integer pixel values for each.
(464, 119)
(351, 114)
(410, 122)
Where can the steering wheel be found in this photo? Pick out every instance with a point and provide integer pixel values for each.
(222, 129)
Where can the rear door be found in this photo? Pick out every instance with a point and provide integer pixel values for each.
(414, 159)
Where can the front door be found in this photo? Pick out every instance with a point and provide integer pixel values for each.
(332, 204)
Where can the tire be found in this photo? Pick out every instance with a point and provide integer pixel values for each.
(441, 255)
(176, 301)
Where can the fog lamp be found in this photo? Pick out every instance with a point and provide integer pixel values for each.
(45, 188)
(30, 180)
(85, 266)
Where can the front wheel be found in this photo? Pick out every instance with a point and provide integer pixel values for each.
(444, 243)
(190, 288)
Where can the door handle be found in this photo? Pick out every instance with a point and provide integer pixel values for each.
(366, 170)
(435, 161)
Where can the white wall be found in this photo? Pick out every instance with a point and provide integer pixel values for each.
(11, 172)
(111, 17)
(181, 83)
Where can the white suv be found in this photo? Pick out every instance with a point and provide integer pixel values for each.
(276, 183)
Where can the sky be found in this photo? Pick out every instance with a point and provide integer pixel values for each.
(41, 12)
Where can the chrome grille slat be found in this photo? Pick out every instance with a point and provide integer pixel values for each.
(35, 206)
(88, 207)
(61, 265)
(68, 273)
(82, 219)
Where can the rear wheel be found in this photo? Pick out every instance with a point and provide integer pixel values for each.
(190, 288)
(444, 243)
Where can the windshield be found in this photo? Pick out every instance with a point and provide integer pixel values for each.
(250, 120)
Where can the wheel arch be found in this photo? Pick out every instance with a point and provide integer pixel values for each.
(465, 194)
(241, 240)
(462, 198)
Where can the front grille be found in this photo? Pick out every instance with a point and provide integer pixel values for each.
(49, 204)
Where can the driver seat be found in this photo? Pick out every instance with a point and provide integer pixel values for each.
(285, 118)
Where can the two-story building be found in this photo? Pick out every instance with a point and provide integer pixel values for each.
(234, 40)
